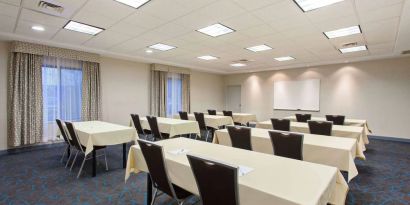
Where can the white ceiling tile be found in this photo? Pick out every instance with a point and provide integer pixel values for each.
(24, 28)
(109, 9)
(381, 13)
(289, 23)
(9, 10)
(132, 45)
(94, 19)
(385, 48)
(366, 5)
(330, 24)
(242, 22)
(127, 29)
(381, 31)
(279, 10)
(337, 10)
(13, 2)
(71, 37)
(42, 19)
(165, 10)
(195, 21)
(144, 20)
(194, 4)
(167, 31)
(252, 4)
(7, 23)
(258, 31)
(221, 10)
(357, 38)
(107, 39)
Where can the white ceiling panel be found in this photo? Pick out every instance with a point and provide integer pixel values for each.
(71, 37)
(117, 11)
(9, 10)
(12, 2)
(94, 19)
(144, 20)
(279, 10)
(24, 28)
(7, 23)
(42, 19)
(366, 5)
(106, 40)
(381, 13)
(381, 31)
(221, 10)
(252, 4)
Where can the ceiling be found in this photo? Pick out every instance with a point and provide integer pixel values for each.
(280, 24)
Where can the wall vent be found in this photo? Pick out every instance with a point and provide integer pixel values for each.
(405, 52)
(349, 44)
(50, 7)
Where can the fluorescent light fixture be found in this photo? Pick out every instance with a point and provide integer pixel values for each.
(208, 57)
(38, 28)
(82, 28)
(216, 30)
(133, 3)
(353, 49)
(149, 51)
(259, 48)
(238, 64)
(161, 47)
(309, 5)
(343, 32)
(285, 58)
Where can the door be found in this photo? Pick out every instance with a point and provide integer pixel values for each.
(233, 98)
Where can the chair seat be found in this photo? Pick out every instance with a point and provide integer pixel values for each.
(180, 192)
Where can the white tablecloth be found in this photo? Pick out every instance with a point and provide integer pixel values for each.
(97, 133)
(214, 121)
(242, 118)
(337, 131)
(273, 180)
(173, 127)
(333, 151)
(348, 122)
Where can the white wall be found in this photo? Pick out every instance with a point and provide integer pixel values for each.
(378, 91)
(207, 92)
(3, 94)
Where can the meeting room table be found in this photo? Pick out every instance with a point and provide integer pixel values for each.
(332, 151)
(347, 122)
(98, 133)
(262, 178)
(243, 118)
(214, 121)
(173, 127)
(353, 132)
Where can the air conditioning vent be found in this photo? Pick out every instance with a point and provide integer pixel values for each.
(44, 5)
(349, 44)
(405, 52)
(243, 61)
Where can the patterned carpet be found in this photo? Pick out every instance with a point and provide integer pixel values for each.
(38, 177)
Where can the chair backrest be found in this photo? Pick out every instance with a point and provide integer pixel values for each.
(217, 182)
(303, 117)
(153, 124)
(137, 123)
(62, 131)
(211, 112)
(154, 158)
(336, 119)
(287, 144)
(200, 118)
(74, 137)
(240, 137)
(227, 113)
(280, 124)
(183, 115)
(320, 127)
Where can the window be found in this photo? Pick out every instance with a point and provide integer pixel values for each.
(174, 94)
(62, 92)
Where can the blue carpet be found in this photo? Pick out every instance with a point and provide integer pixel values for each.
(38, 177)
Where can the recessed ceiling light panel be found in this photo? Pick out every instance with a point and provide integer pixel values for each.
(82, 28)
(285, 58)
(208, 57)
(259, 48)
(238, 64)
(353, 49)
(133, 3)
(308, 5)
(38, 28)
(162, 47)
(343, 32)
(216, 30)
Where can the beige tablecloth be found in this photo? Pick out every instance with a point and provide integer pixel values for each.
(97, 133)
(333, 151)
(348, 122)
(242, 118)
(173, 127)
(214, 121)
(273, 180)
(337, 131)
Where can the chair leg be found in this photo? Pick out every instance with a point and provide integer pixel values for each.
(207, 135)
(155, 196)
(65, 151)
(81, 168)
(105, 157)
(68, 160)
(72, 165)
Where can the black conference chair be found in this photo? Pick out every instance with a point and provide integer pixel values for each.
(303, 117)
(67, 150)
(200, 118)
(183, 115)
(336, 119)
(81, 149)
(287, 144)
(320, 127)
(211, 112)
(217, 182)
(142, 133)
(153, 124)
(230, 114)
(280, 124)
(240, 137)
(154, 158)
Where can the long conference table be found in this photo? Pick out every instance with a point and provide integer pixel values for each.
(214, 121)
(356, 133)
(272, 179)
(243, 118)
(173, 127)
(332, 151)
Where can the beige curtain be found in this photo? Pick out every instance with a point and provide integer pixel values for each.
(158, 93)
(25, 101)
(91, 93)
(186, 96)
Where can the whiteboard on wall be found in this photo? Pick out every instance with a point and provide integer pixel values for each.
(297, 95)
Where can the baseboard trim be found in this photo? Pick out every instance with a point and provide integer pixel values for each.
(394, 139)
(30, 148)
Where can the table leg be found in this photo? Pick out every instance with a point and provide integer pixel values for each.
(124, 155)
(149, 189)
(94, 163)
(68, 152)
